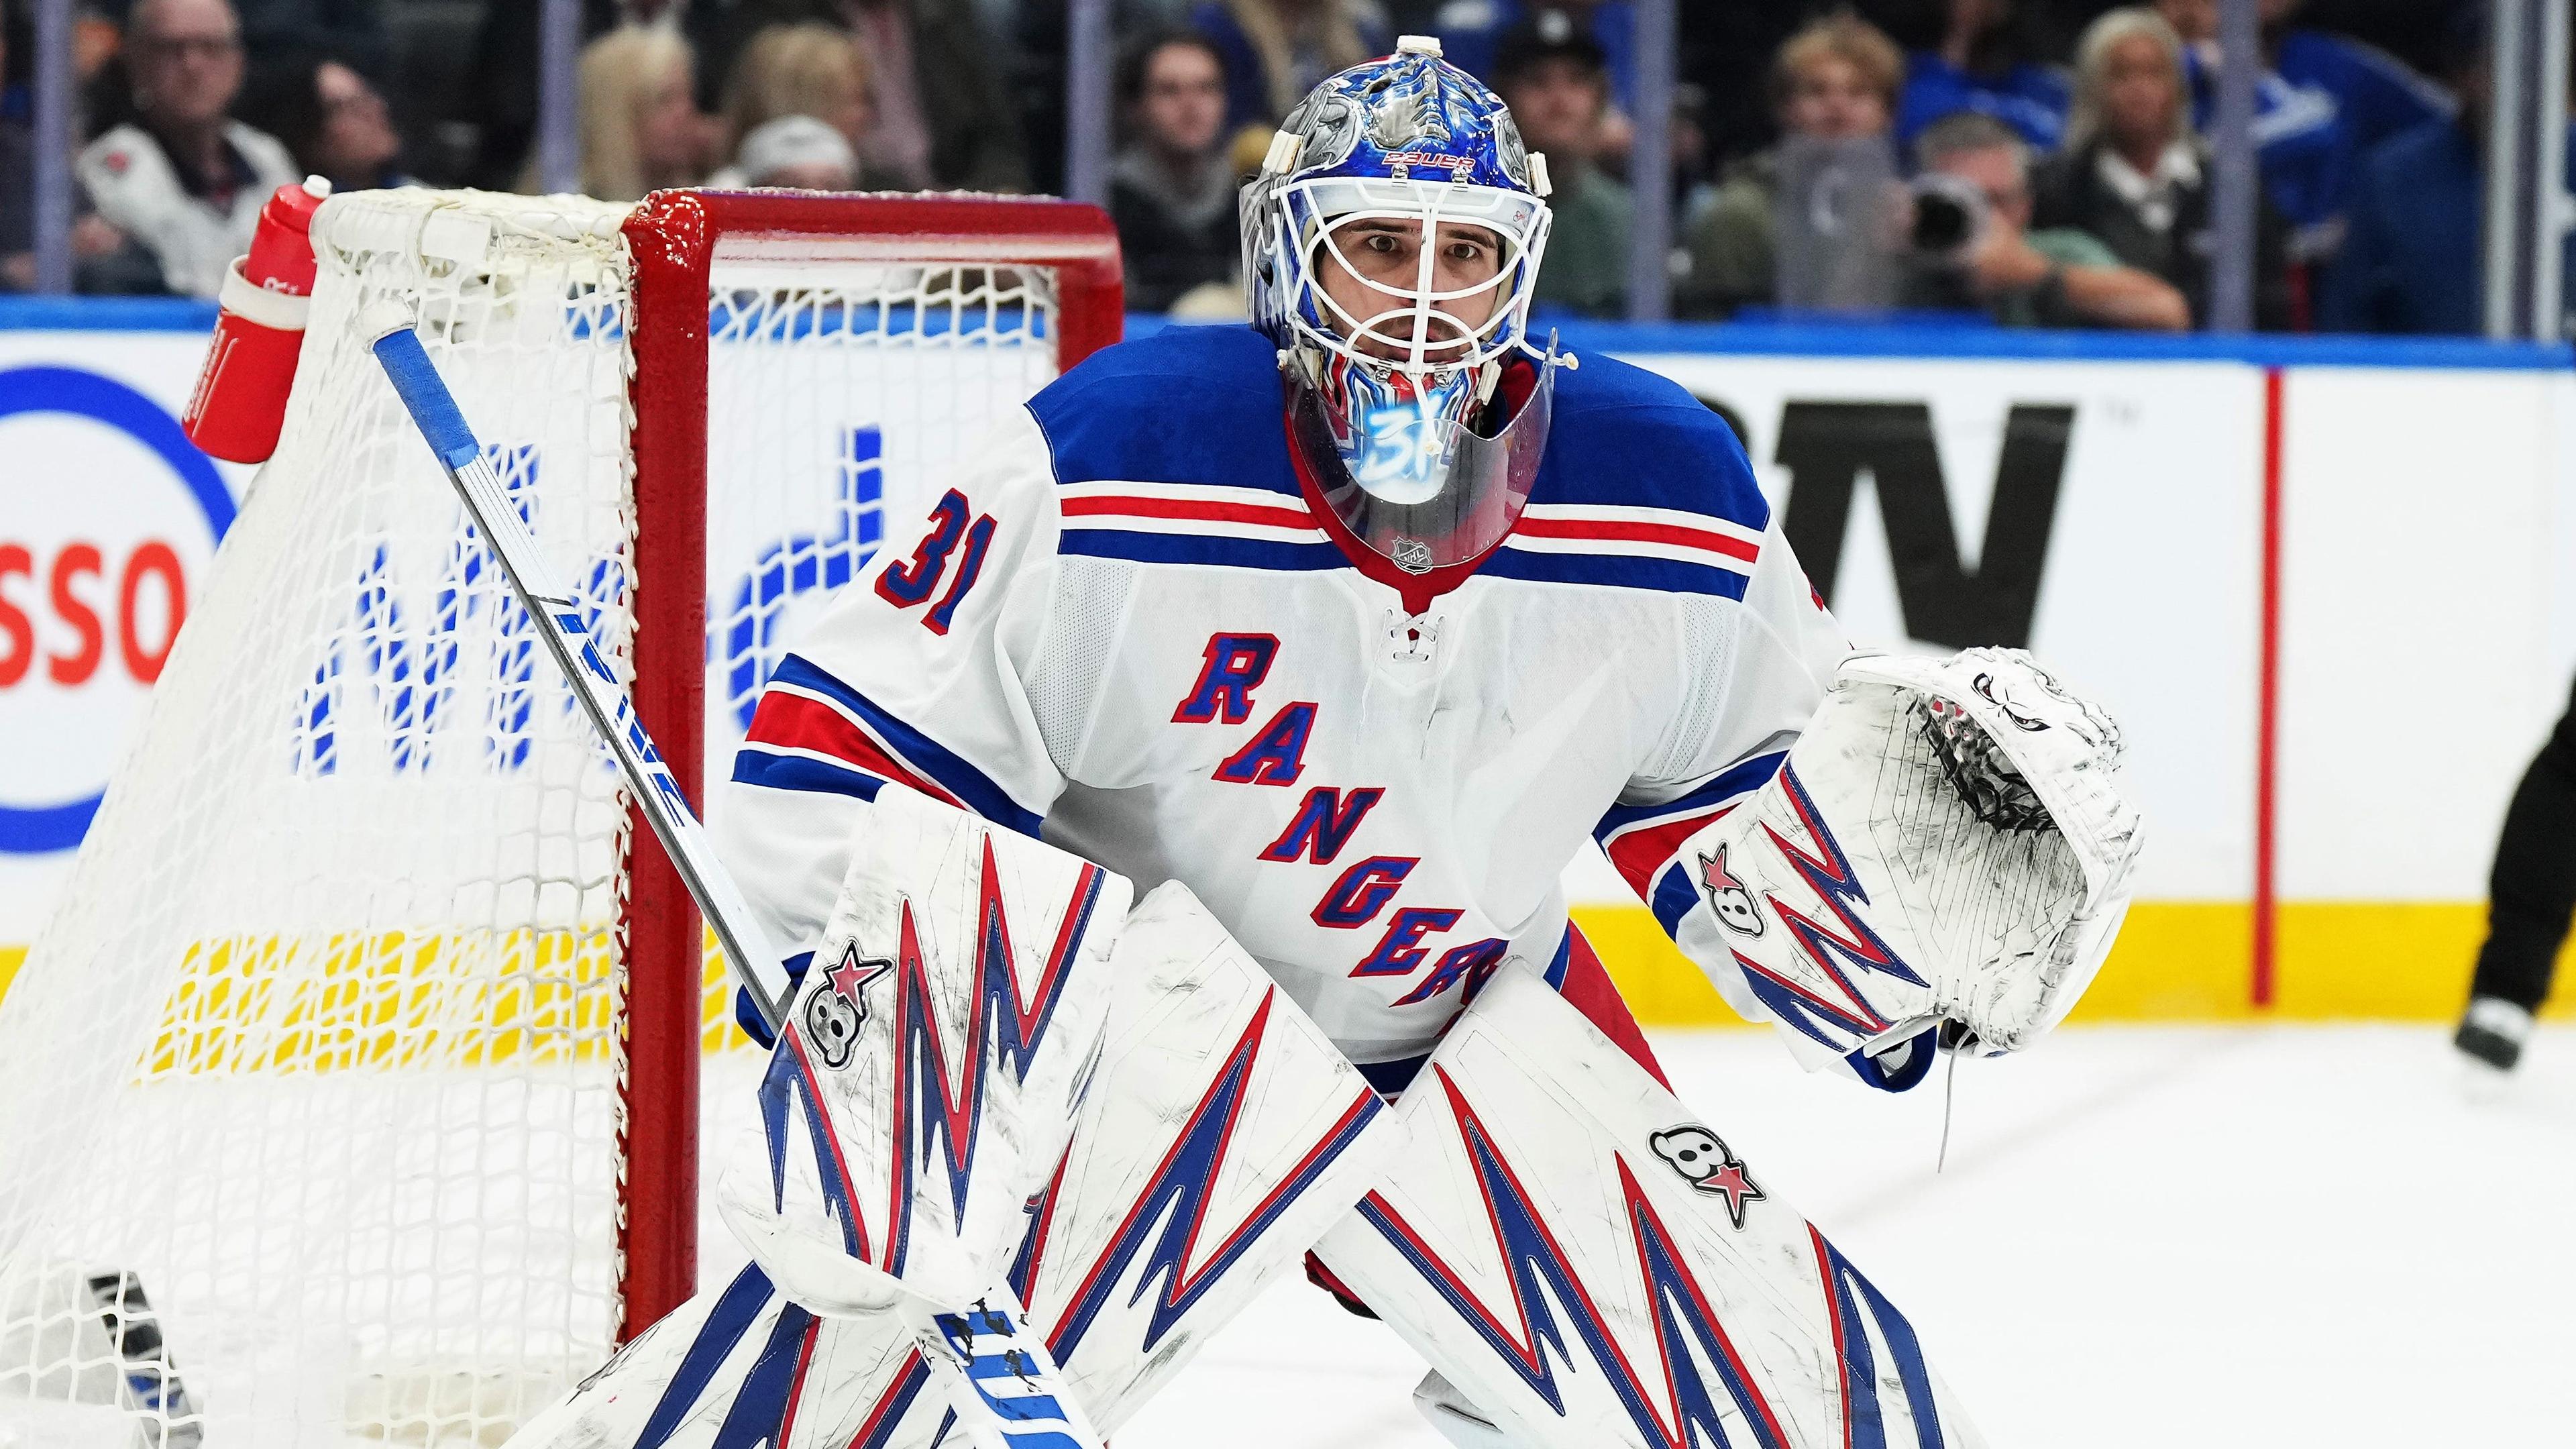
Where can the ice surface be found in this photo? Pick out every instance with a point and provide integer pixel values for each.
(2257, 1236)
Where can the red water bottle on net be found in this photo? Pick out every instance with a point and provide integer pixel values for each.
(240, 401)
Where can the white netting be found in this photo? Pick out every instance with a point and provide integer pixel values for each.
(893, 377)
(318, 1058)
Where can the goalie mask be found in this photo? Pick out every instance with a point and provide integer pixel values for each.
(1391, 243)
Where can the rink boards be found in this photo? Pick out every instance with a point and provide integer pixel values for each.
(2142, 514)
(2393, 516)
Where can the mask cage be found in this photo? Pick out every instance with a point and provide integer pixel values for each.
(1310, 219)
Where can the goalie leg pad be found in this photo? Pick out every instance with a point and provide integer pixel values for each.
(925, 1079)
(1223, 1135)
(1461, 1423)
(1590, 1266)
(748, 1365)
(1220, 1133)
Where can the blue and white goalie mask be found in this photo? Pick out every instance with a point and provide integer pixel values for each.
(1391, 244)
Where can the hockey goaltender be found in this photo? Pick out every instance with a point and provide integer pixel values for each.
(1199, 784)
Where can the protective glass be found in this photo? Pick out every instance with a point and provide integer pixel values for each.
(1459, 491)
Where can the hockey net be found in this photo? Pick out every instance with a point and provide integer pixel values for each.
(350, 1094)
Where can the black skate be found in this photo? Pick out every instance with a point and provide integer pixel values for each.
(2492, 1032)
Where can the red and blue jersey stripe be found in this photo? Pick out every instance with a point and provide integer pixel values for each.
(813, 732)
(1643, 841)
(1217, 525)
(1630, 547)
(1170, 449)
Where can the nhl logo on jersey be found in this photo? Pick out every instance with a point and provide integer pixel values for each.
(1703, 1159)
(1412, 555)
(1727, 896)
(835, 1010)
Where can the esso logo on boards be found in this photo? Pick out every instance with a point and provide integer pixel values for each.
(109, 518)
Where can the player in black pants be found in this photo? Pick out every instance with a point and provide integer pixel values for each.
(2529, 899)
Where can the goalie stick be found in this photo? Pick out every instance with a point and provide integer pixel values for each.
(1004, 1386)
(442, 425)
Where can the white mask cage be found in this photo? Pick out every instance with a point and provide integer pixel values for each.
(1320, 223)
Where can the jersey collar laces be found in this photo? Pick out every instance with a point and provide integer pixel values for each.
(1416, 404)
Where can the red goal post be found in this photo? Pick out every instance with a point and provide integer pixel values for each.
(363, 1047)
(677, 240)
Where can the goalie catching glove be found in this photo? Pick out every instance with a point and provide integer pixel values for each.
(1946, 843)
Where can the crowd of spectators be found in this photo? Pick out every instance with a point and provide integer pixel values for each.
(1974, 171)
(2036, 162)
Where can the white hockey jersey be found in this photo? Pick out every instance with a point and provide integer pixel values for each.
(1137, 631)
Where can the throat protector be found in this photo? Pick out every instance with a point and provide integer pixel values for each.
(1426, 477)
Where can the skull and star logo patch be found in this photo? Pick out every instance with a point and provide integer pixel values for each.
(835, 1008)
(1728, 898)
(1708, 1164)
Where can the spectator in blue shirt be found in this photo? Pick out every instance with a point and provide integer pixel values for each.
(1983, 65)
(2321, 102)
(1277, 50)
(2414, 258)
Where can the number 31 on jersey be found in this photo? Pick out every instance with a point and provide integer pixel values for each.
(908, 584)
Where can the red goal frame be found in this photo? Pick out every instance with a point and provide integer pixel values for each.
(673, 238)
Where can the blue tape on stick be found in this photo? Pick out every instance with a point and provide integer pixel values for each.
(416, 379)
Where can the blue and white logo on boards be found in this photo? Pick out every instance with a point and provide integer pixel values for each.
(108, 515)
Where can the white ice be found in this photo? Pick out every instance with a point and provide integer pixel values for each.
(2214, 1236)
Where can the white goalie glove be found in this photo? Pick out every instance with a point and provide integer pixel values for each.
(1946, 842)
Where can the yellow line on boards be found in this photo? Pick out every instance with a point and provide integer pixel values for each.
(2175, 961)
(389, 998)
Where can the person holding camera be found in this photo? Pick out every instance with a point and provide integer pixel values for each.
(1974, 248)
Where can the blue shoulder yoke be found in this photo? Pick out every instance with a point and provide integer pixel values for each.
(1202, 404)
